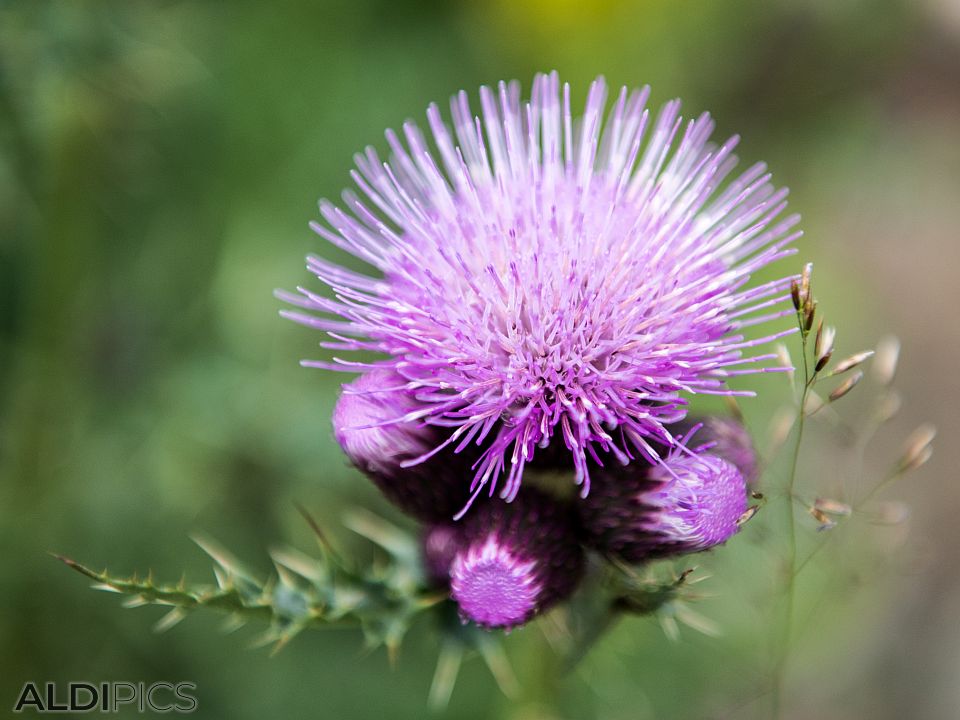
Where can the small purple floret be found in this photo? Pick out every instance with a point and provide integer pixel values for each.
(368, 423)
(696, 501)
(518, 559)
(375, 423)
(687, 504)
(493, 587)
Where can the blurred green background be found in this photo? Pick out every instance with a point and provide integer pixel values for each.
(159, 162)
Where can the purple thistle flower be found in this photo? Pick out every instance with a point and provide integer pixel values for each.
(365, 424)
(543, 281)
(686, 504)
(516, 560)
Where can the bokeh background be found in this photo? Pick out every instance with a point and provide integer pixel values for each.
(159, 162)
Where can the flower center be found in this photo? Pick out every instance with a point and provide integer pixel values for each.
(492, 587)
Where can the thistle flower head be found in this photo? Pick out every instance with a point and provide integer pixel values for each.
(516, 560)
(369, 423)
(697, 501)
(690, 502)
(541, 281)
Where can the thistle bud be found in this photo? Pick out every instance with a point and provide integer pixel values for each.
(687, 504)
(369, 424)
(517, 559)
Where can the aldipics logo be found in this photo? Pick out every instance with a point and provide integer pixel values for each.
(160, 697)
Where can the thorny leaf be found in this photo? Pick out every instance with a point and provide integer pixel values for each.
(304, 592)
